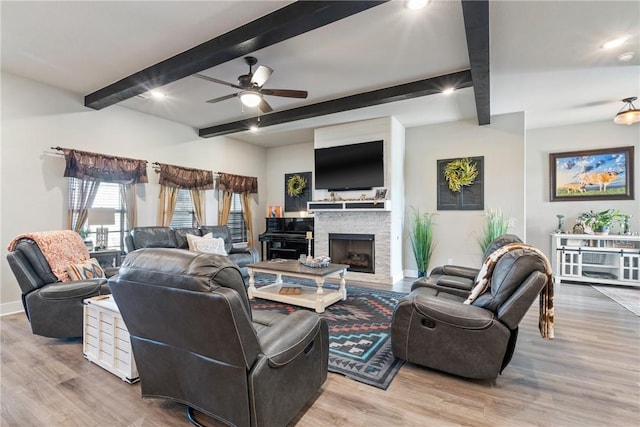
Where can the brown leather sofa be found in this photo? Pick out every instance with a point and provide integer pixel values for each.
(54, 308)
(166, 237)
(433, 328)
(196, 341)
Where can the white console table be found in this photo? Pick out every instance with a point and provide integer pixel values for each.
(603, 259)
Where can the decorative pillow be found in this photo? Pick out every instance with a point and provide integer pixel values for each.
(90, 269)
(207, 244)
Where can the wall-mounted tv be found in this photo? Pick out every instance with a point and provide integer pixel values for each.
(350, 167)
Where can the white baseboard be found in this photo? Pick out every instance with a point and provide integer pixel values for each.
(11, 308)
(411, 273)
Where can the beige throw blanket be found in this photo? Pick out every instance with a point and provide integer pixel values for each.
(60, 248)
(483, 281)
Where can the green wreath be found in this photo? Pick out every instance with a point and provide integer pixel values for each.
(459, 173)
(296, 185)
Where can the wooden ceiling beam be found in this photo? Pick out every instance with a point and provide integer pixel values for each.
(401, 92)
(290, 21)
(476, 25)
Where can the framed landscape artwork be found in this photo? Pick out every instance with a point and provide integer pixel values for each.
(605, 174)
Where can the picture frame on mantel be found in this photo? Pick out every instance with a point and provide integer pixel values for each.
(602, 174)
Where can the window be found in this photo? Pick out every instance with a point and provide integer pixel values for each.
(236, 224)
(107, 196)
(183, 214)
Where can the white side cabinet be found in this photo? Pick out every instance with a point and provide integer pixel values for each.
(106, 340)
(606, 259)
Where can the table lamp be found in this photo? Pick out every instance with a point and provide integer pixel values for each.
(101, 217)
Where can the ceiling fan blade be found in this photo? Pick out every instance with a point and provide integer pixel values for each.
(222, 98)
(211, 79)
(265, 107)
(285, 92)
(261, 75)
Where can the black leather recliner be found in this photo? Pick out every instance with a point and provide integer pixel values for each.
(456, 279)
(166, 237)
(196, 341)
(54, 308)
(433, 328)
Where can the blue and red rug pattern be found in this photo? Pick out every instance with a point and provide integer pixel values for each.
(359, 331)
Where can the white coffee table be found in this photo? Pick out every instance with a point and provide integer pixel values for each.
(317, 298)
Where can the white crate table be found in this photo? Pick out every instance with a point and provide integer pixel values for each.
(106, 339)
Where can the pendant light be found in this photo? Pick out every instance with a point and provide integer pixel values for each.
(629, 114)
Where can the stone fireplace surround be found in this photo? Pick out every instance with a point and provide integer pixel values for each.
(377, 223)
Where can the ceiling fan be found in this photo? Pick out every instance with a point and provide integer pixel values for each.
(251, 90)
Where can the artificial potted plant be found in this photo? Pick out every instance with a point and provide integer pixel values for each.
(422, 242)
(496, 224)
(601, 222)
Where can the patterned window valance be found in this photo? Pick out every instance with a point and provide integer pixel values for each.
(180, 177)
(102, 167)
(237, 183)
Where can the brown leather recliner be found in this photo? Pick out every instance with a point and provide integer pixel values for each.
(434, 328)
(196, 341)
(54, 308)
(456, 279)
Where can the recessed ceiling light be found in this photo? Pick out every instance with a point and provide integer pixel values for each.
(416, 4)
(254, 128)
(615, 42)
(157, 94)
(449, 91)
(625, 57)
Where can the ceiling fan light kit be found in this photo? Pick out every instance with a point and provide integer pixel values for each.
(251, 91)
(250, 98)
(629, 114)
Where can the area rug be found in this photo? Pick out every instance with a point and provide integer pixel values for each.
(359, 331)
(627, 297)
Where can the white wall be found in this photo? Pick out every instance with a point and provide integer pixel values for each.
(282, 160)
(36, 117)
(456, 232)
(541, 212)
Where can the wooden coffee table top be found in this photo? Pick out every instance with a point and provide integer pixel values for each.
(293, 266)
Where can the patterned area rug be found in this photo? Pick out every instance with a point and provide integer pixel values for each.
(627, 297)
(359, 331)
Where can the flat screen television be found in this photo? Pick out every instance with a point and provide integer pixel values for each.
(350, 167)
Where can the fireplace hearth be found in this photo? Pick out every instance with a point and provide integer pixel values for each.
(355, 250)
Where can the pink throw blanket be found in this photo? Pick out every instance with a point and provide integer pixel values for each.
(60, 248)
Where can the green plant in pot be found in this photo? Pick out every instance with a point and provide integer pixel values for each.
(601, 222)
(496, 224)
(422, 242)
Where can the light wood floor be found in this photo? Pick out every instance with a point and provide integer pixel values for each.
(588, 376)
